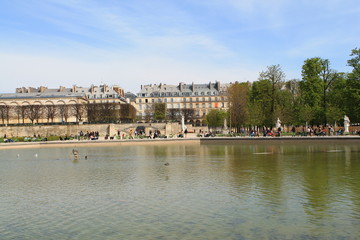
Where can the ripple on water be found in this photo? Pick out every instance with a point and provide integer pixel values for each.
(127, 193)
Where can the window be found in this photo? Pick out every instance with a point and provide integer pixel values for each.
(197, 99)
(152, 100)
(209, 98)
(184, 99)
(197, 105)
(203, 99)
(139, 100)
(203, 105)
(172, 100)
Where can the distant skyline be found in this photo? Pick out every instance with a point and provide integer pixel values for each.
(137, 42)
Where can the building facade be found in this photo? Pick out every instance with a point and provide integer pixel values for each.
(178, 99)
(41, 105)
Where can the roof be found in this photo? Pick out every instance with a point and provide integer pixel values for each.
(182, 89)
(41, 95)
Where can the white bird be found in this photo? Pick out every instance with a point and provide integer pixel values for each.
(36, 155)
(18, 155)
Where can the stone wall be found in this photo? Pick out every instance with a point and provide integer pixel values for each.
(103, 129)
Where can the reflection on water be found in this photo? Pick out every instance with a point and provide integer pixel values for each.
(213, 191)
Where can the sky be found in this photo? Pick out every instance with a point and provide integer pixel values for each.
(130, 43)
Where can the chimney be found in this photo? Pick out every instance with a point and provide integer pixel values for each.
(61, 89)
(217, 85)
(42, 89)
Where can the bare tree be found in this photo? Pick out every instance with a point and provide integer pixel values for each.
(21, 112)
(35, 112)
(79, 111)
(173, 114)
(188, 113)
(64, 112)
(50, 111)
(4, 113)
(149, 113)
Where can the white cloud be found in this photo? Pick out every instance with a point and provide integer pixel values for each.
(128, 72)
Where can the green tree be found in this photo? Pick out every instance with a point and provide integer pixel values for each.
(216, 118)
(316, 84)
(260, 103)
(108, 112)
(353, 87)
(285, 107)
(159, 111)
(292, 87)
(256, 114)
(238, 104)
(127, 112)
(337, 95)
(273, 78)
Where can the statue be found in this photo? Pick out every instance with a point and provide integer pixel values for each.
(346, 124)
(225, 128)
(183, 126)
(225, 124)
(278, 123)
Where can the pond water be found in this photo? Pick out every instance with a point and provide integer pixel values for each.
(182, 191)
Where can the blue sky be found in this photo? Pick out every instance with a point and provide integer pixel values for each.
(134, 42)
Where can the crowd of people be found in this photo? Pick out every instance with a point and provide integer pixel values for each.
(310, 131)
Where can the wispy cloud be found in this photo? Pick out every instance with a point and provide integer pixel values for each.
(167, 41)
